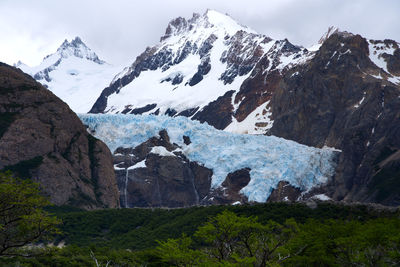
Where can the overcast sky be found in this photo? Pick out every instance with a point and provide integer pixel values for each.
(119, 30)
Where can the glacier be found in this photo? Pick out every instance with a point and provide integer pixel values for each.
(271, 159)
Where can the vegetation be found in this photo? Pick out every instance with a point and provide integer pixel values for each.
(138, 229)
(357, 238)
(274, 234)
(22, 219)
(231, 240)
(23, 168)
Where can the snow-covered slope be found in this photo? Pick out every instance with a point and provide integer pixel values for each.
(381, 54)
(74, 73)
(196, 62)
(270, 159)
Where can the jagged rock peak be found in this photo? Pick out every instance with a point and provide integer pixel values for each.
(210, 19)
(78, 49)
(331, 31)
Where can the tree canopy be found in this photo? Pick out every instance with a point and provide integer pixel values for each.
(22, 218)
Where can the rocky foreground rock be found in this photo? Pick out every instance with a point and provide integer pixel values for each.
(42, 139)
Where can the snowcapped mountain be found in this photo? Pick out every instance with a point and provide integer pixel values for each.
(343, 92)
(74, 73)
(196, 62)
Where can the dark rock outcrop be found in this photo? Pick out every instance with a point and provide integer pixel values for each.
(218, 113)
(229, 191)
(284, 192)
(42, 139)
(157, 174)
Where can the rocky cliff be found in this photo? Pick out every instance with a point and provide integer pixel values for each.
(42, 139)
(348, 97)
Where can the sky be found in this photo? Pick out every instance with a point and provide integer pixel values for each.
(119, 30)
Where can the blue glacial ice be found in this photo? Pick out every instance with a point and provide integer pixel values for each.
(271, 159)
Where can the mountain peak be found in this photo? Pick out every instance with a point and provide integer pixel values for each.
(331, 30)
(224, 20)
(78, 49)
(211, 19)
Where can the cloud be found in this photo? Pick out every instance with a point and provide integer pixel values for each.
(120, 30)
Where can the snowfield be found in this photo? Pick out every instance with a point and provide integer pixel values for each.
(271, 159)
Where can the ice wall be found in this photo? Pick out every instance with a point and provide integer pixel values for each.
(271, 159)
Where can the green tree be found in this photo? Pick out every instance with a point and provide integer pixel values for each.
(22, 219)
(178, 252)
(243, 240)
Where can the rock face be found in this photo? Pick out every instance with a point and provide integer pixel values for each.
(229, 191)
(42, 139)
(347, 97)
(284, 192)
(157, 174)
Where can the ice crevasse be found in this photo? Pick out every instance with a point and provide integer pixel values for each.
(271, 159)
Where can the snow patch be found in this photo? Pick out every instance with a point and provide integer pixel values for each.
(257, 122)
(118, 168)
(376, 51)
(141, 164)
(395, 80)
(162, 151)
(361, 101)
(321, 197)
(314, 48)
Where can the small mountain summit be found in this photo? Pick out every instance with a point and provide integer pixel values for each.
(78, 49)
(74, 73)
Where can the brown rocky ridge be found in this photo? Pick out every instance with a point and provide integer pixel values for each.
(43, 140)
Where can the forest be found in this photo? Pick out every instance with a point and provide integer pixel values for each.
(270, 234)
